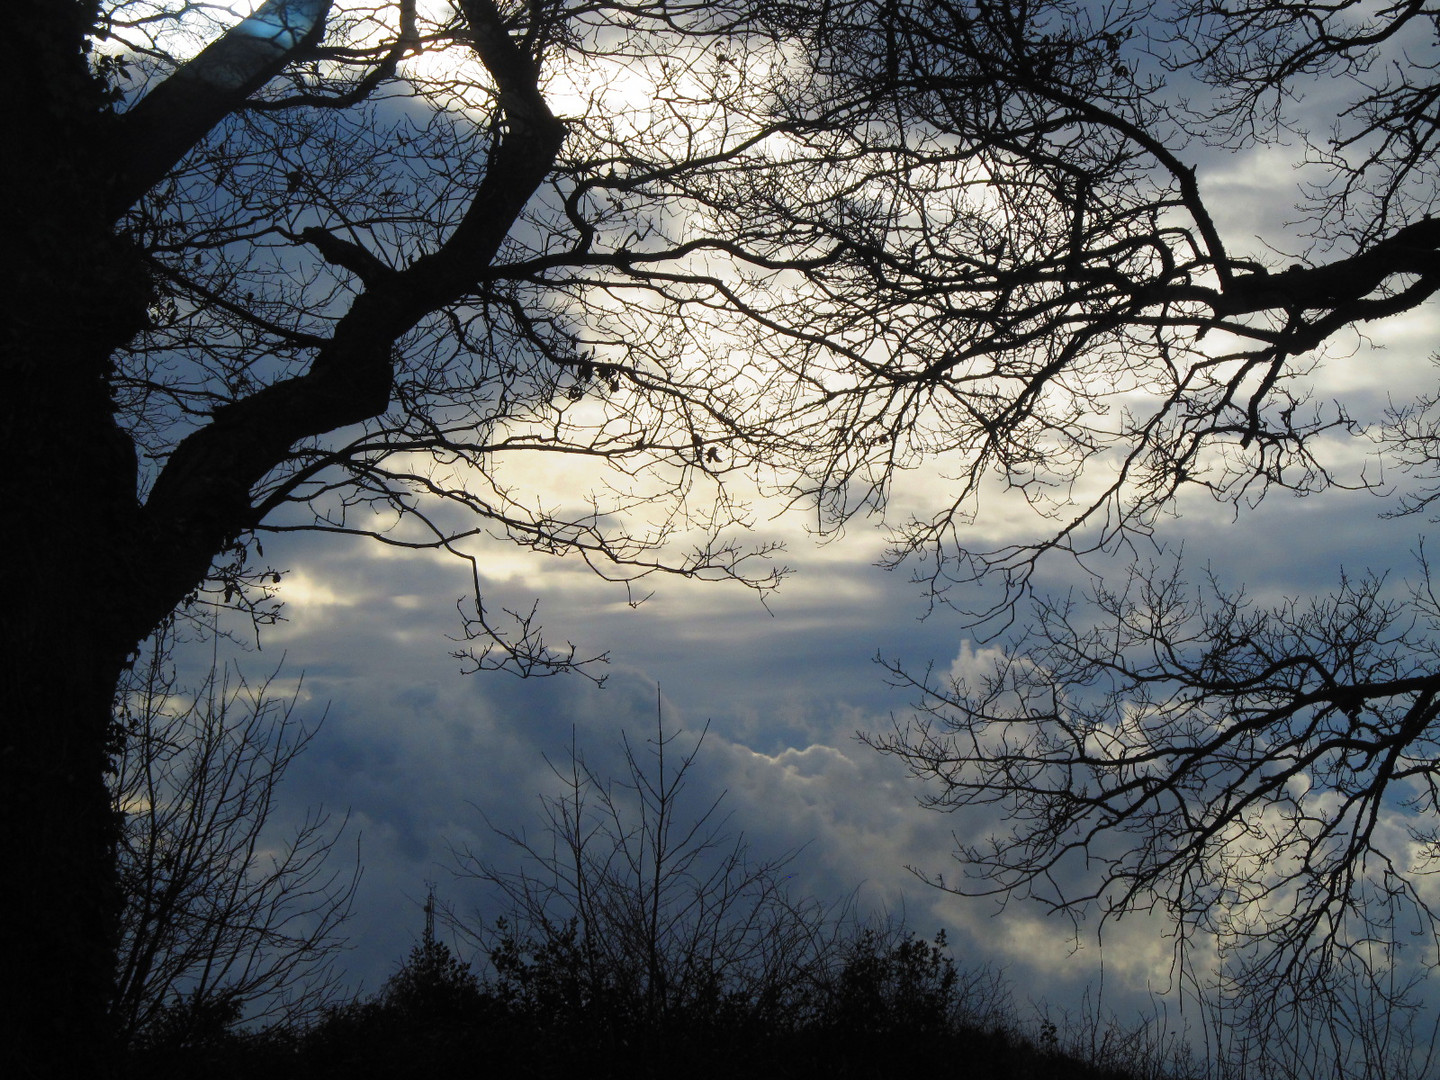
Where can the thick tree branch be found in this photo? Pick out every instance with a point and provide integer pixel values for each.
(203, 496)
(1412, 250)
(177, 114)
(341, 252)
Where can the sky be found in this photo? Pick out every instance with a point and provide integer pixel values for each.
(425, 758)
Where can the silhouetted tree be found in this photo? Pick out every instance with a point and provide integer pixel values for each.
(642, 911)
(430, 1017)
(1258, 772)
(219, 914)
(890, 980)
(1023, 244)
(280, 271)
(1061, 312)
(433, 987)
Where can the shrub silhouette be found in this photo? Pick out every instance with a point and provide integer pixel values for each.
(892, 980)
(188, 1035)
(651, 945)
(433, 988)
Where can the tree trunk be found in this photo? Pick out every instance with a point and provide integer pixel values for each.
(69, 627)
(62, 903)
(71, 526)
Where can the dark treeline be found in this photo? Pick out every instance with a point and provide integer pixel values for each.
(890, 1003)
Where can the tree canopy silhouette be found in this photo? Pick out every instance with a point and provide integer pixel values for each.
(1262, 772)
(323, 267)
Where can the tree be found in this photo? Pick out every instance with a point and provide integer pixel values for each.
(1075, 325)
(634, 911)
(1021, 244)
(334, 269)
(431, 1016)
(433, 986)
(890, 980)
(217, 915)
(1257, 773)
